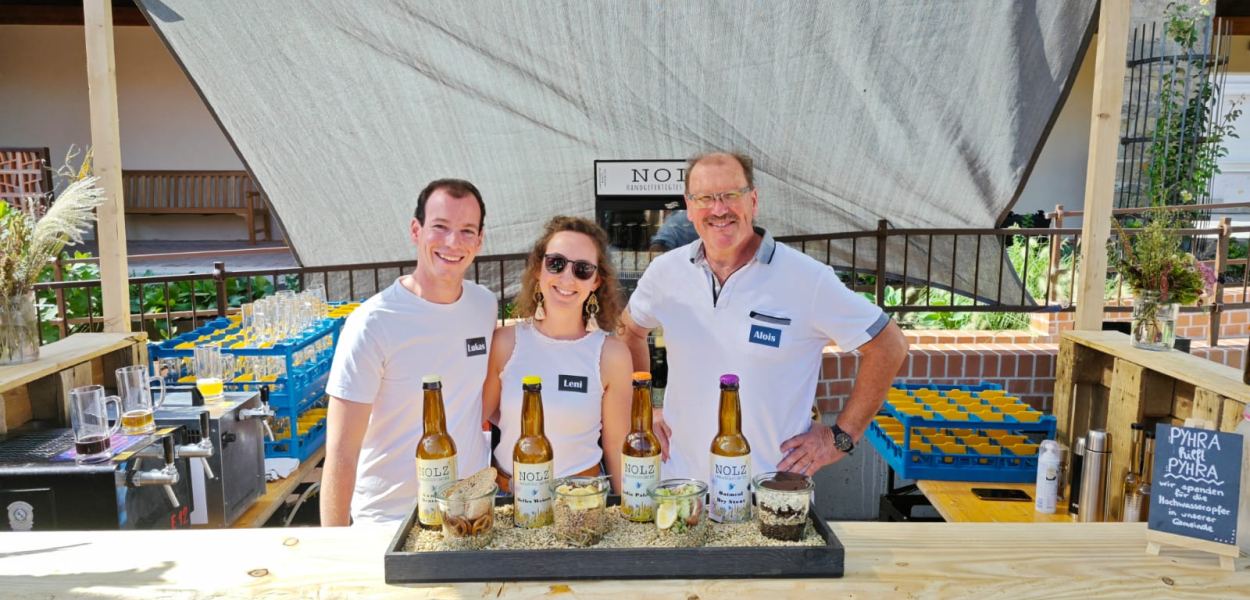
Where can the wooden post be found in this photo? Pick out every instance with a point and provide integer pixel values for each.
(1104, 137)
(107, 163)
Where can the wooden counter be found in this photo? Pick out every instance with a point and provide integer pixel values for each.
(883, 560)
(1103, 381)
(956, 503)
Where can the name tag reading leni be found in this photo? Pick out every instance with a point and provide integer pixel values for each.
(574, 383)
(475, 346)
(766, 336)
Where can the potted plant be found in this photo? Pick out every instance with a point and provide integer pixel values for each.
(30, 236)
(1162, 275)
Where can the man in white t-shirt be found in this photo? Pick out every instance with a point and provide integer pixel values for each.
(735, 301)
(429, 322)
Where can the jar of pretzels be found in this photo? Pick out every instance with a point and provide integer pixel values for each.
(467, 508)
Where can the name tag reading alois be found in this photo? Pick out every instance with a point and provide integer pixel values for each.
(766, 336)
(574, 383)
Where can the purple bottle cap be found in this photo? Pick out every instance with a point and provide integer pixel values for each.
(729, 379)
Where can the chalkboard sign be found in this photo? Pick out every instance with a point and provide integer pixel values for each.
(1196, 483)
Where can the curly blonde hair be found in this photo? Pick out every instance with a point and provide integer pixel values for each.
(610, 302)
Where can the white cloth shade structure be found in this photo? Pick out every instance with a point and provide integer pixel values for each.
(925, 114)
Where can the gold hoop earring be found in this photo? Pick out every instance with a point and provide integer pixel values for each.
(592, 309)
(539, 312)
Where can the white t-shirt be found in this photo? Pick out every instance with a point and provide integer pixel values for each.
(572, 398)
(386, 346)
(768, 324)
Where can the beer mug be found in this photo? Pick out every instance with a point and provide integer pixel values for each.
(89, 418)
(208, 371)
(135, 389)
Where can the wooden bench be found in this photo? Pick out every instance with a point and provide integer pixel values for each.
(197, 193)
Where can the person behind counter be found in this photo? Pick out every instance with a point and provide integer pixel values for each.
(428, 322)
(569, 299)
(735, 301)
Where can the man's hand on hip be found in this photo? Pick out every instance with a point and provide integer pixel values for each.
(807, 452)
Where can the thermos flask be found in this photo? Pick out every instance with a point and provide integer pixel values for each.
(1094, 476)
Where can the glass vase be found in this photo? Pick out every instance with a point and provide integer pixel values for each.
(1154, 322)
(19, 329)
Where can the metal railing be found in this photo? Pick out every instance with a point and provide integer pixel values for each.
(903, 271)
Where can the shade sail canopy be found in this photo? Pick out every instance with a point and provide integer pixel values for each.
(925, 114)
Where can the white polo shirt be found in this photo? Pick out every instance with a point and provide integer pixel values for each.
(386, 346)
(767, 324)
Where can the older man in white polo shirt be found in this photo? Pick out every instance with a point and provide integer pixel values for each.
(737, 302)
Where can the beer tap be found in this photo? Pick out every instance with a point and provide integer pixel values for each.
(264, 413)
(199, 445)
(166, 476)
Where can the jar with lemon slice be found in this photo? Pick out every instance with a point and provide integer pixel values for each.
(581, 510)
(680, 506)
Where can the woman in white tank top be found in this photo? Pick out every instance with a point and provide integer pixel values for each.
(569, 299)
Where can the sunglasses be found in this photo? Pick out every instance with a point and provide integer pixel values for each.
(555, 264)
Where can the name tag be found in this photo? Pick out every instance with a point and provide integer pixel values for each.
(766, 336)
(475, 346)
(574, 383)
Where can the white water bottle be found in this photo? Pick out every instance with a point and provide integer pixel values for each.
(1047, 492)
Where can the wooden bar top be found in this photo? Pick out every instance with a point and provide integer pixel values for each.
(883, 560)
(1181, 366)
(956, 503)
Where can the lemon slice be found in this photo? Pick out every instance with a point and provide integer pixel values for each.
(666, 515)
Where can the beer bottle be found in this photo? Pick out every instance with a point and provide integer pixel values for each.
(532, 461)
(1130, 509)
(640, 455)
(436, 453)
(731, 460)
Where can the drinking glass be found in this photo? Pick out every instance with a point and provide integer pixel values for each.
(208, 371)
(88, 416)
(134, 387)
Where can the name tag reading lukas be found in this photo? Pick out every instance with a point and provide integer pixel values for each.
(475, 346)
(1197, 482)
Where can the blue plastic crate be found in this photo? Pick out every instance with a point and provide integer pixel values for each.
(302, 382)
(292, 440)
(996, 448)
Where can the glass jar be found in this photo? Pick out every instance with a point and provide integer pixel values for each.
(19, 329)
(782, 502)
(581, 509)
(468, 521)
(1154, 322)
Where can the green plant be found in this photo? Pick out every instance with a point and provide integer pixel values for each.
(1154, 260)
(1188, 137)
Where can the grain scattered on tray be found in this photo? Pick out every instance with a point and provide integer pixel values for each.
(622, 534)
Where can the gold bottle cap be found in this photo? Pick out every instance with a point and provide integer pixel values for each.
(431, 379)
(642, 376)
(531, 380)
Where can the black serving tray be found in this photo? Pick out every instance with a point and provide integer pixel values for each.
(612, 563)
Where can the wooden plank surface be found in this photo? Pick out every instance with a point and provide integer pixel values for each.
(1100, 168)
(106, 159)
(1199, 372)
(883, 560)
(63, 354)
(956, 503)
(276, 492)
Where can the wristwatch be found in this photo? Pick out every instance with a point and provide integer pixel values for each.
(842, 440)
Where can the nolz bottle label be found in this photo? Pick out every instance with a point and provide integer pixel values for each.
(431, 475)
(640, 473)
(731, 495)
(531, 493)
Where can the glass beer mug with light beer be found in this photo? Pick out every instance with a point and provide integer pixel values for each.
(135, 390)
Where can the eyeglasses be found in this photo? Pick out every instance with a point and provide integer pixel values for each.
(730, 198)
(555, 263)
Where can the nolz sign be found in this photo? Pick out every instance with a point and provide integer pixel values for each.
(640, 178)
(1196, 483)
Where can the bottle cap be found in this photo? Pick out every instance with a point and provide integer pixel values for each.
(729, 379)
(431, 379)
(642, 376)
(1050, 447)
(531, 380)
